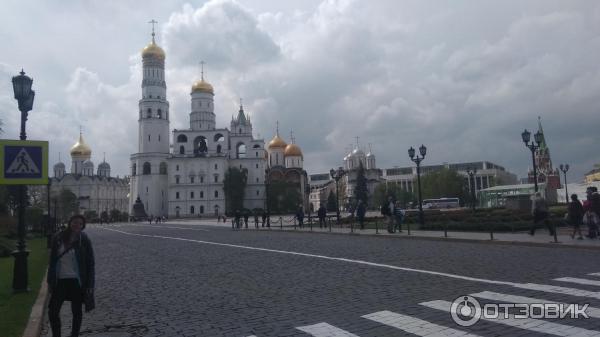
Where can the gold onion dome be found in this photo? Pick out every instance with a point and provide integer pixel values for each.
(153, 50)
(292, 150)
(202, 86)
(81, 148)
(277, 142)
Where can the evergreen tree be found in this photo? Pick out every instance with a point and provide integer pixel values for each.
(331, 202)
(284, 197)
(235, 187)
(360, 191)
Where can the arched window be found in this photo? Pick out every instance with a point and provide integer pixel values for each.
(240, 130)
(146, 168)
(201, 209)
(162, 168)
(191, 209)
(181, 150)
(149, 113)
(134, 169)
(219, 138)
(216, 194)
(200, 147)
(240, 150)
(219, 148)
(159, 113)
(181, 139)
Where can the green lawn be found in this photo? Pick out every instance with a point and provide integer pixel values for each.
(15, 308)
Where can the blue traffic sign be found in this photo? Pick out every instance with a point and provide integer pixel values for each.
(23, 162)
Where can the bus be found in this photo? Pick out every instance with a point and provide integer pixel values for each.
(441, 203)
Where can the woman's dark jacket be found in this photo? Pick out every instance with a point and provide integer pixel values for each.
(85, 261)
(575, 212)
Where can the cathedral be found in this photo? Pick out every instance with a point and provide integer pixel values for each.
(95, 192)
(185, 177)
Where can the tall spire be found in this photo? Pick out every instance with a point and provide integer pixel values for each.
(292, 137)
(153, 34)
(202, 70)
(543, 144)
(277, 129)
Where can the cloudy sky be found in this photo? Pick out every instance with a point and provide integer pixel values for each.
(462, 77)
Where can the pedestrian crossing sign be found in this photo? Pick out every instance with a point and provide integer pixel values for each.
(23, 162)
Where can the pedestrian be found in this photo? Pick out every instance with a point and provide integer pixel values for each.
(322, 214)
(399, 217)
(71, 274)
(575, 216)
(539, 210)
(361, 210)
(246, 216)
(386, 210)
(237, 218)
(150, 218)
(264, 218)
(256, 219)
(300, 216)
(592, 215)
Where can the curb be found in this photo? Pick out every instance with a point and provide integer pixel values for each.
(449, 238)
(36, 318)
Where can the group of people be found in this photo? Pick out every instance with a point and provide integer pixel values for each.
(156, 219)
(394, 215)
(578, 214)
(238, 217)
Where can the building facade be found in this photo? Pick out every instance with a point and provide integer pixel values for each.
(187, 180)
(98, 191)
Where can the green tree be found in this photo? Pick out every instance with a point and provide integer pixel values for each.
(66, 204)
(383, 191)
(444, 183)
(115, 214)
(284, 197)
(90, 215)
(331, 202)
(235, 186)
(360, 191)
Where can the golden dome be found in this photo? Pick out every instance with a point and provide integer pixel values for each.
(153, 50)
(277, 142)
(202, 86)
(81, 148)
(292, 150)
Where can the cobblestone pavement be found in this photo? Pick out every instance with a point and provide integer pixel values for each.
(196, 280)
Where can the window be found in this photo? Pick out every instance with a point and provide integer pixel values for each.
(201, 209)
(201, 194)
(159, 138)
(133, 169)
(192, 195)
(148, 137)
(176, 167)
(192, 209)
(176, 195)
(200, 147)
(216, 194)
(256, 179)
(257, 165)
(181, 139)
(181, 150)
(201, 179)
(159, 113)
(240, 130)
(162, 169)
(240, 150)
(176, 179)
(149, 112)
(219, 148)
(216, 178)
(257, 192)
(256, 154)
(192, 178)
(216, 167)
(146, 168)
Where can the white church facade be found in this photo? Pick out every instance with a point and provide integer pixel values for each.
(185, 177)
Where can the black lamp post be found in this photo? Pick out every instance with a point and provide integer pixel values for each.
(564, 169)
(337, 175)
(472, 176)
(418, 160)
(534, 145)
(24, 95)
(267, 172)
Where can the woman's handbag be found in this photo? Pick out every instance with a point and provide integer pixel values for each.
(88, 300)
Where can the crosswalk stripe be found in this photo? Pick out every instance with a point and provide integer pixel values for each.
(493, 296)
(530, 324)
(559, 290)
(594, 274)
(414, 325)
(325, 330)
(578, 281)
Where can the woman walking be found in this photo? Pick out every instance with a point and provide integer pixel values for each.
(71, 274)
(575, 216)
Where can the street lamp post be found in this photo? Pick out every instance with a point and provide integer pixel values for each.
(418, 160)
(24, 95)
(564, 169)
(267, 171)
(534, 145)
(472, 176)
(337, 175)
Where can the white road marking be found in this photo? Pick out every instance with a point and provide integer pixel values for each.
(578, 281)
(530, 286)
(170, 227)
(530, 324)
(325, 330)
(493, 296)
(414, 325)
